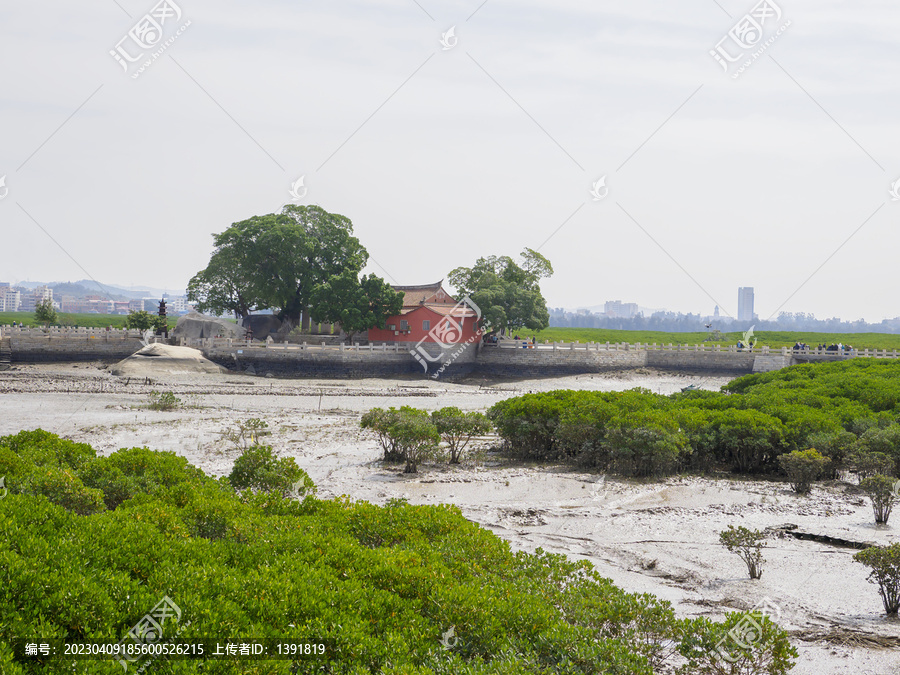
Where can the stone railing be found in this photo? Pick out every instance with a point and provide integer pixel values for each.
(704, 347)
(234, 343)
(69, 332)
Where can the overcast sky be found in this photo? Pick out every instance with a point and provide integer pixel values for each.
(778, 178)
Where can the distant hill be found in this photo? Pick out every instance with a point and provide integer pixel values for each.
(85, 287)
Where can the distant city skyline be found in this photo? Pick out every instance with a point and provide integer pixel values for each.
(616, 308)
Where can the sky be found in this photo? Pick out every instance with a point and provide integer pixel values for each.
(604, 134)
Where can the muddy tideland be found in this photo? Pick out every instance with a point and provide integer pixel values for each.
(655, 537)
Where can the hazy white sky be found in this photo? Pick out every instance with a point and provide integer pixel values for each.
(440, 156)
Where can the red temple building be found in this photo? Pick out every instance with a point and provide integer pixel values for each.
(431, 314)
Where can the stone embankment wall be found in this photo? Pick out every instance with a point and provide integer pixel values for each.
(337, 362)
(496, 362)
(546, 362)
(354, 361)
(49, 348)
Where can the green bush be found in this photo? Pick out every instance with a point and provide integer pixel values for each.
(384, 584)
(247, 433)
(528, 423)
(837, 446)
(581, 432)
(746, 643)
(803, 467)
(645, 444)
(748, 440)
(747, 544)
(129, 472)
(415, 436)
(258, 468)
(885, 564)
(163, 400)
(885, 441)
(380, 421)
(62, 487)
(756, 419)
(883, 491)
(41, 448)
(457, 429)
(871, 463)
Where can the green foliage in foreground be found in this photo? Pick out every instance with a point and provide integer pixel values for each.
(850, 410)
(385, 584)
(258, 468)
(766, 338)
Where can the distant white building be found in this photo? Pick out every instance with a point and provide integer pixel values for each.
(10, 299)
(178, 304)
(620, 310)
(32, 299)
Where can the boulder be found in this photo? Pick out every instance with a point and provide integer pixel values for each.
(159, 359)
(195, 325)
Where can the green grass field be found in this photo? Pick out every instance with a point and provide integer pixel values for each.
(81, 320)
(766, 338)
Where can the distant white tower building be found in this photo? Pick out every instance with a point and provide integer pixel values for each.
(745, 303)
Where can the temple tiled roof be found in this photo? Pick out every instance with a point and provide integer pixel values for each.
(425, 294)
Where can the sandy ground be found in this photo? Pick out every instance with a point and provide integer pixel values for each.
(659, 538)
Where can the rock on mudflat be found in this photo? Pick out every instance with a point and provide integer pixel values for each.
(159, 359)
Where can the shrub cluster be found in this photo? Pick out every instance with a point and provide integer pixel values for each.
(258, 468)
(383, 583)
(848, 411)
(411, 435)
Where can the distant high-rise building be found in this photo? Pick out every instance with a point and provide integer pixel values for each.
(745, 303)
(716, 313)
(619, 309)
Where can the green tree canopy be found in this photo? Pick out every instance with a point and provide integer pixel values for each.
(275, 262)
(45, 312)
(357, 304)
(142, 320)
(222, 287)
(508, 293)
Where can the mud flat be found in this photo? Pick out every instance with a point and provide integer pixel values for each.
(659, 538)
